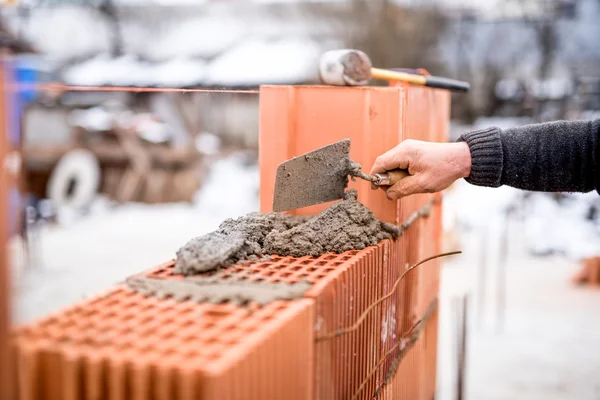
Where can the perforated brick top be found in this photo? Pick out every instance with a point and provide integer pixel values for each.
(127, 323)
(277, 269)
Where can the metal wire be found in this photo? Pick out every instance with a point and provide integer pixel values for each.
(362, 317)
(417, 328)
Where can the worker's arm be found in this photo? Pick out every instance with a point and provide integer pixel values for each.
(552, 157)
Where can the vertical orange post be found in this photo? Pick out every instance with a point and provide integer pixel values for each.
(298, 119)
(5, 383)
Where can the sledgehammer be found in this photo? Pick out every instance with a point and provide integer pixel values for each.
(350, 67)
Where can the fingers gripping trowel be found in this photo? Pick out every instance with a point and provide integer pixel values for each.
(320, 176)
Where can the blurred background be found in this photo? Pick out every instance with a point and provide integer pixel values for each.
(116, 182)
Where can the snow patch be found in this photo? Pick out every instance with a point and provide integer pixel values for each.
(207, 143)
(231, 189)
(128, 70)
(255, 62)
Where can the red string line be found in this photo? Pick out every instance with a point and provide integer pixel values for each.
(59, 87)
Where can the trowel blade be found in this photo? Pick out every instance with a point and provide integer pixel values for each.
(312, 178)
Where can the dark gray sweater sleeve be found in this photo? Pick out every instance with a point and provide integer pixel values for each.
(560, 156)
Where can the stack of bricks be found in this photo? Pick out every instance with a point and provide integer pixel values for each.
(358, 332)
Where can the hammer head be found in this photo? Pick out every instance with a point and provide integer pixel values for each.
(345, 67)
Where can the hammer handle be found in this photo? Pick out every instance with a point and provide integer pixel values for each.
(447, 83)
(390, 178)
(422, 80)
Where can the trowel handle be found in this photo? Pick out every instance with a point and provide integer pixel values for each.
(390, 178)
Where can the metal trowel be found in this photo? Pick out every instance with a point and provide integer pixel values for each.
(320, 176)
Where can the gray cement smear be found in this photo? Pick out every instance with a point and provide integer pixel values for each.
(354, 170)
(236, 240)
(346, 225)
(217, 290)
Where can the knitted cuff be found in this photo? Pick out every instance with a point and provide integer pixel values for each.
(486, 157)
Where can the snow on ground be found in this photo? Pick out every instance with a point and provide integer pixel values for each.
(569, 226)
(546, 345)
(87, 255)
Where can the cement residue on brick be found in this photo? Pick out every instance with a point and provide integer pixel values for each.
(217, 290)
(346, 225)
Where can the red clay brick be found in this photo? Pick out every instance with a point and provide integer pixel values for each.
(121, 344)
(150, 348)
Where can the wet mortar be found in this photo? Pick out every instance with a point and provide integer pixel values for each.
(216, 289)
(345, 225)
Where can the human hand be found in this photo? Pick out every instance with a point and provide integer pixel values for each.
(432, 166)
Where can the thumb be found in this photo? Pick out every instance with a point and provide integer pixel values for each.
(405, 187)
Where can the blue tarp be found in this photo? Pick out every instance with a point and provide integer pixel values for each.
(21, 71)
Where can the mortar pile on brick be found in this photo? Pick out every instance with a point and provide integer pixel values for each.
(345, 225)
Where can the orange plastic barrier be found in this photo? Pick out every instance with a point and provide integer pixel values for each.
(358, 331)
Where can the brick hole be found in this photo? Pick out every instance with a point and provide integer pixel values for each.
(346, 258)
(269, 273)
(303, 276)
(110, 302)
(286, 274)
(331, 257)
(89, 312)
(320, 276)
(296, 268)
(337, 263)
(208, 325)
(258, 279)
(187, 323)
(275, 259)
(109, 314)
(353, 252)
(217, 313)
(311, 269)
(145, 319)
(212, 356)
(191, 353)
(249, 328)
(230, 339)
(306, 262)
(267, 317)
(321, 263)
